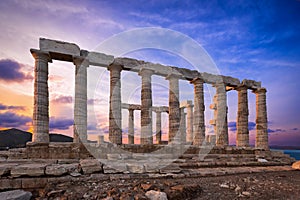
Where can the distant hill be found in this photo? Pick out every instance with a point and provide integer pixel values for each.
(15, 138)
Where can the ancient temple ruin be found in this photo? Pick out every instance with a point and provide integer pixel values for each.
(194, 133)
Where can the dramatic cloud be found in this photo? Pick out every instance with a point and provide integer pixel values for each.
(232, 126)
(275, 130)
(5, 107)
(10, 71)
(12, 120)
(60, 124)
(63, 99)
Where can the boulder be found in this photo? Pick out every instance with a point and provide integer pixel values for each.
(156, 195)
(296, 165)
(16, 195)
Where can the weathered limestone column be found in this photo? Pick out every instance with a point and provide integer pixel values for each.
(41, 97)
(80, 103)
(146, 107)
(199, 124)
(115, 115)
(158, 127)
(174, 109)
(221, 115)
(261, 119)
(131, 126)
(242, 134)
(189, 127)
(183, 125)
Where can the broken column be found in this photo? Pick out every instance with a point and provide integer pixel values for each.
(146, 107)
(261, 119)
(221, 115)
(174, 110)
(80, 103)
(158, 127)
(242, 134)
(199, 124)
(131, 126)
(115, 115)
(41, 97)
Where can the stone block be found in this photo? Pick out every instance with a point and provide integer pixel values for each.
(30, 183)
(113, 168)
(28, 170)
(155, 195)
(5, 168)
(55, 170)
(137, 168)
(99, 59)
(61, 50)
(10, 184)
(90, 166)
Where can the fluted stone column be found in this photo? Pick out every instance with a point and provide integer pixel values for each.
(261, 119)
(80, 103)
(189, 125)
(242, 134)
(158, 127)
(115, 115)
(183, 125)
(146, 107)
(174, 109)
(199, 124)
(131, 126)
(221, 115)
(41, 97)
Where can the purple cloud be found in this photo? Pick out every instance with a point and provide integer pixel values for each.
(6, 107)
(10, 71)
(60, 124)
(232, 126)
(13, 120)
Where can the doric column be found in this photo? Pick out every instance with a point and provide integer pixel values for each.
(131, 126)
(242, 134)
(189, 127)
(174, 109)
(199, 124)
(158, 127)
(182, 125)
(80, 103)
(115, 115)
(146, 107)
(41, 97)
(221, 115)
(261, 119)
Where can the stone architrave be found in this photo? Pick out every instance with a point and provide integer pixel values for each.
(41, 97)
(115, 115)
(80, 103)
(242, 133)
(189, 125)
(158, 127)
(261, 119)
(221, 115)
(174, 109)
(199, 108)
(131, 126)
(146, 106)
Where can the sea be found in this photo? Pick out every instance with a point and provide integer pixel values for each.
(293, 153)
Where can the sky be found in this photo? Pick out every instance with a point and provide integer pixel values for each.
(257, 40)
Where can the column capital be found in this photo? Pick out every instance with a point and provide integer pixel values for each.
(115, 67)
(38, 54)
(260, 91)
(145, 72)
(80, 60)
(197, 80)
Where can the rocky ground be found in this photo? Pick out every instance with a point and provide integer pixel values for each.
(269, 185)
